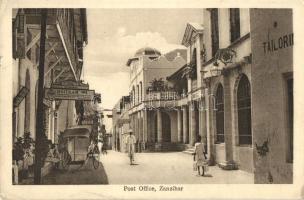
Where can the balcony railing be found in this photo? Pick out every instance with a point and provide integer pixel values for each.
(162, 96)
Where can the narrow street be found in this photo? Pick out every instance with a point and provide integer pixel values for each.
(165, 168)
(77, 175)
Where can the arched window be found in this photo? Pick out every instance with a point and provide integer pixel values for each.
(27, 109)
(220, 137)
(244, 111)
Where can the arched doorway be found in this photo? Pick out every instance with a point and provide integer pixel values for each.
(220, 137)
(27, 107)
(166, 127)
(244, 111)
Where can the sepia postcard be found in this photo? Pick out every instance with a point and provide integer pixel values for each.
(151, 99)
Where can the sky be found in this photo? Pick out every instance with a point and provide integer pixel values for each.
(114, 35)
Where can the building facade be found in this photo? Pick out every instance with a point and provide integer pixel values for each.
(154, 126)
(235, 90)
(66, 35)
(121, 124)
(244, 132)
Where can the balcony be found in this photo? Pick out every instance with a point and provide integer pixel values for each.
(65, 36)
(162, 99)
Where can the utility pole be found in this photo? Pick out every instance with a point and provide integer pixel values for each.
(40, 111)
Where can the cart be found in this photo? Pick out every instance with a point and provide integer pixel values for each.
(76, 142)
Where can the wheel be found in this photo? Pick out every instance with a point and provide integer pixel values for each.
(66, 159)
(95, 162)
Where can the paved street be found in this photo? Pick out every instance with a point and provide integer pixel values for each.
(165, 168)
(77, 175)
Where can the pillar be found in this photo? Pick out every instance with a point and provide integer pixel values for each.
(203, 122)
(185, 125)
(159, 126)
(229, 163)
(193, 125)
(210, 136)
(145, 125)
(179, 126)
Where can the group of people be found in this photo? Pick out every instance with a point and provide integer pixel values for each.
(200, 159)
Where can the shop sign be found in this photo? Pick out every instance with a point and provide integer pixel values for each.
(71, 85)
(68, 94)
(279, 43)
(20, 96)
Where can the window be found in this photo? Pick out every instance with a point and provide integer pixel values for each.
(244, 111)
(193, 66)
(141, 94)
(137, 94)
(290, 120)
(214, 30)
(234, 24)
(220, 137)
(28, 40)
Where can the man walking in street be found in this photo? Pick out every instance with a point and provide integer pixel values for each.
(131, 141)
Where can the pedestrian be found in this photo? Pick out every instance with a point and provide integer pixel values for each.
(100, 142)
(200, 159)
(131, 141)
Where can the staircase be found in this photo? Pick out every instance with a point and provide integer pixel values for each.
(190, 150)
(166, 147)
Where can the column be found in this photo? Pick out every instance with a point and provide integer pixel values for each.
(159, 126)
(179, 126)
(228, 124)
(145, 125)
(193, 125)
(210, 136)
(185, 125)
(203, 122)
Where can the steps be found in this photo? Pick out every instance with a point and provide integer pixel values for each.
(189, 151)
(166, 147)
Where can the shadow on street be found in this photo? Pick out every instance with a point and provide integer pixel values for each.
(77, 175)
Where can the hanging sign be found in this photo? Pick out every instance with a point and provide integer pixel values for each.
(20, 96)
(68, 94)
(71, 85)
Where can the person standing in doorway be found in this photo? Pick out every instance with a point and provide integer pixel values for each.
(131, 141)
(199, 156)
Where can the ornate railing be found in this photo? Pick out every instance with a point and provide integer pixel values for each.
(162, 95)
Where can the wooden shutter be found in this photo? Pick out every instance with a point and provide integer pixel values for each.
(234, 24)
(214, 30)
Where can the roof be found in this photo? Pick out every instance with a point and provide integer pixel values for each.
(196, 26)
(177, 73)
(172, 54)
(76, 131)
(145, 51)
(192, 29)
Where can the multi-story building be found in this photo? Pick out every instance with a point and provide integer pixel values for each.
(66, 36)
(247, 78)
(121, 123)
(235, 90)
(148, 71)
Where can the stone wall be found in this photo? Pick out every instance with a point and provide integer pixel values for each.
(272, 62)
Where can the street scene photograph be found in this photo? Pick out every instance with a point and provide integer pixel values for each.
(124, 96)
